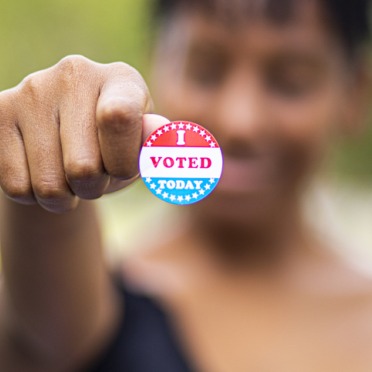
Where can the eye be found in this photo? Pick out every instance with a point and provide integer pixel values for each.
(291, 86)
(293, 80)
(207, 74)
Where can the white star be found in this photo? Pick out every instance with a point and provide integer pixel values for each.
(159, 191)
(181, 126)
(202, 133)
(196, 129)
(172, 198)
(207, 187)
(188, 126)
(174, 126)
(188, 198)
(208, 138)
(212, 144)
(195, 195)
(165, 195)
(153, 186)
(149, 143)
(180, 198)
(201, 192)
(159, 132)
(153, 137)
(166, 128)
(211, 180)
(148, 180)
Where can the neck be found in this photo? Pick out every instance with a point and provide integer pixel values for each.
(256, 245)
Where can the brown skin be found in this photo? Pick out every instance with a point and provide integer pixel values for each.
(252, 290)
(250, 286)
(274, 96)
(79, 119)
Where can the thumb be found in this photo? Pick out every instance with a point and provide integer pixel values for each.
(151, 122)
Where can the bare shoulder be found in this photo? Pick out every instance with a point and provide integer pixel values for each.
(357, 284)
(336, 281)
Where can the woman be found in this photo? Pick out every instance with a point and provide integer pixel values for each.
(243, 284)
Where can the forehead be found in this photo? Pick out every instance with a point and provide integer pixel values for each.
(300, 23)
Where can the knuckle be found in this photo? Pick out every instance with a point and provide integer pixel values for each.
(70, 65)
(123, 68)
(75, 73)
(43, 85)
(29, 86)
(6, 99)
(50, 190)
(83, 170)
(138, 83)
(116, 113)
(130, 76)
(8, 114)
(34, 93)
(17, 189)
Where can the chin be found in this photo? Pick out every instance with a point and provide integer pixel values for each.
(239, 209)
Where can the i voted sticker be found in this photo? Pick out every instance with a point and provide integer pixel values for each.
(181, 163)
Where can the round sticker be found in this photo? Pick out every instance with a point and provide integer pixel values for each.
(181, 163)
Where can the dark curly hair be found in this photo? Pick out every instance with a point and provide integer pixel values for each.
(350, 18)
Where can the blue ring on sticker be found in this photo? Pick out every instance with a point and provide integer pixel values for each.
(181, 163)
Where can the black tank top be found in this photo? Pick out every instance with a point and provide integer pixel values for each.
(144, 342)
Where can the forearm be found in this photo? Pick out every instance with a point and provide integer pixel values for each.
(56, 291)
(66, 132)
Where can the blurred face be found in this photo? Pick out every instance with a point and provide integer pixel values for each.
(274, 95)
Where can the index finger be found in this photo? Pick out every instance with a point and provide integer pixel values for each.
(123, 101)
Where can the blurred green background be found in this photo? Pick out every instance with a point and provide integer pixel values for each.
(36, 34)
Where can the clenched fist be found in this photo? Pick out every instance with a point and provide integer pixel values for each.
(73, 131)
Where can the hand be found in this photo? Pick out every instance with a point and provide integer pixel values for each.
(73, 131)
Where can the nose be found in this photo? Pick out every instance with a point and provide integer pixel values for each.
(240, 115)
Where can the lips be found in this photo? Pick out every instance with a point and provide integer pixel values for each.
(246, 176)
